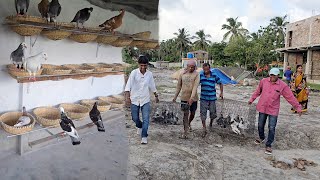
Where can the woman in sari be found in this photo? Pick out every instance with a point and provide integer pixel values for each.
(299, 88)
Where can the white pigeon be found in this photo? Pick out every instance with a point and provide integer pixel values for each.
(234, 126)
(242, 125)
(24, 119)
(33, 64)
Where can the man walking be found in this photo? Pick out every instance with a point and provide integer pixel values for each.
(288, 73)
(269, 90)
(188, 83)
(208, 81)
(137, 91)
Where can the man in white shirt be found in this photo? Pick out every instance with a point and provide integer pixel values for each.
(137, 91)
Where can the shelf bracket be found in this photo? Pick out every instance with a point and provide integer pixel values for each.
(97, 51)
(32, 44)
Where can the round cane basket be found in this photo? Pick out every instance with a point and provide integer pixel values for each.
(148, 45)
(56, 34)
(136, 43)
(83, 38)
(120, 97)
(9, 119)
(100, 68)
(47, 116)
(106, 39)
(25, 30)
(142, 35)
(57, 70)
(122, 42)
(14, 71)
(103, 106)
(115, 103)
(75, 111)
(118, 68)
(35, 19)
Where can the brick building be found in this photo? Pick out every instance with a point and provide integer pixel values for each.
(302, 46)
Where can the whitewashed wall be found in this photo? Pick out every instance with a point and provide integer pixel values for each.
(14, 95)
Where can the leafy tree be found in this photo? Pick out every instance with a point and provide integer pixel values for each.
(234, 29)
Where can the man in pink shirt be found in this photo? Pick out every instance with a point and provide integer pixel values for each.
(269, 90)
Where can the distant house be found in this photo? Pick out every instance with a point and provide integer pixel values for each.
(302, 46)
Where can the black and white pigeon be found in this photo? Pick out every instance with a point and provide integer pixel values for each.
(96, 118)
(18, 56)
(22, 6)
(68, 127)
(54, 10)
(82, 16)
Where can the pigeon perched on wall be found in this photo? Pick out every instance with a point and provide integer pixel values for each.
(21, 6)
(96, 118)
(24, 119)
(33, 64)
(82, 16)
(18, 56)
(43, 8)
(54, 10)
(68, 127)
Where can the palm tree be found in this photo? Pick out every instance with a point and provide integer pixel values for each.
(234, 28)
(201, 40)
(182, 40)
(279, 24)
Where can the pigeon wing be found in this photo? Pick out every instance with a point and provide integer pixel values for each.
(15, 3)
(76, 17)
(27, 5)
(59, 10)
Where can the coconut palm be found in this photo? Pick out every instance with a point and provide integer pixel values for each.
(234, 28)
(201, 40)
(279, 24)
(183, 40)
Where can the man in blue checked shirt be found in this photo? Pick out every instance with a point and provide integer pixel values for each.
(208, 81)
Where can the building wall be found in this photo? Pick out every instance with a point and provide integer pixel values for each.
(315, 65)
(294, 59)
(31, 95)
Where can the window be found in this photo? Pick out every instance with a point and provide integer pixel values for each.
(290, 38)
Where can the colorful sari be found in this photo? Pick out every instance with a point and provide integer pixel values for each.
(299, 89)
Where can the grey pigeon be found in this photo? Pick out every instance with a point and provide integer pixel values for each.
(17, 56)
(22, 6)
(68, 127)
(54, 10)
(96, 118)
(82, 16)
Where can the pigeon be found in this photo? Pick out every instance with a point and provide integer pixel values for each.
(33, 64)
(43, 8)
(68, 127)
(21, 6)
(82, 16)
(95, 116)
(234, 127)
(18, 56)
(242, 125)
(220, 121)
(24, 119)
(54, 10)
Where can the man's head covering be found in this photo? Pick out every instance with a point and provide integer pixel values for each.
(274, 71)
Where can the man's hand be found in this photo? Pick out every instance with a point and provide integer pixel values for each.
(221, 95)
(174, 100)
(157, 99)
(249, 102)
(128, 101)
(190, 102)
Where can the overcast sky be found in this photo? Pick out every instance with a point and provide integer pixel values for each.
(211, 14)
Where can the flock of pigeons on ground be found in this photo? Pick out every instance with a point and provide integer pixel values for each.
(235, 122)
(51, 10)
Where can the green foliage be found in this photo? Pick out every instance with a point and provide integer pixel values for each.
(132, 67)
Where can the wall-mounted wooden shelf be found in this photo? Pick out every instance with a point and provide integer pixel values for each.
(67, 76)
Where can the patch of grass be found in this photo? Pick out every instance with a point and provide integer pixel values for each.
(314, 86)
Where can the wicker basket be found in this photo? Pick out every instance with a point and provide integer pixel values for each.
(118, 68)
(136, 43)
(27, 18)
(103, 106)
(83, 38)
(120, 97)
(56, 34)
(57, 70)
(14, 71)
(115, 103)
(142, 35)
(149, 45)
(106, 39)
(24, 30)
(47, 116)
(9, 119)
(122, 42)
(75, 111)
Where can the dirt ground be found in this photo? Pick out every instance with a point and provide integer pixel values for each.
(220, 155)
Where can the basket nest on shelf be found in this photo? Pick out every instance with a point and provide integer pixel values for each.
(47, 116)
(27, 18)
(118, 67)
(75, 111)
(14, 71)
(122, 42)
(56, 70)
(136, 43)
(103, 106)
(26, 30)
(148, 45)
(115, 103)
(56, 34)
(9, 119)
(83, 37)
(142, 35)
(106, 39)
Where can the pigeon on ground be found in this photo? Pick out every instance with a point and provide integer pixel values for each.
(54, 10)
(95, 116)
(24, 119)
(43, 8)
(82, 16)
(18, 56)
(21, 6)
(68, 127)
(234, 126)
(33, 64)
